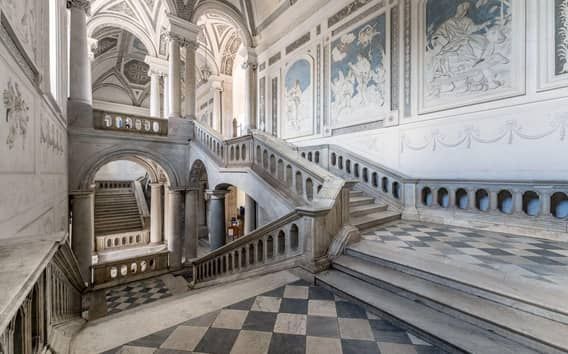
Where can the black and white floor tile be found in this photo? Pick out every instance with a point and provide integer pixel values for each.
(531, 258)
(297, 318)
(135, 294)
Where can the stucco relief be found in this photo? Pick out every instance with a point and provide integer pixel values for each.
(468, 51)
(359, 75)
(298, 100)
(17, 115)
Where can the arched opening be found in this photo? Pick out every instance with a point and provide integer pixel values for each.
(443, 198)
(427, 196)
(281, 242)
(385, 184)
(396, 190)
(531, 203)
(289, 176)
(482, 200)
(462, 199)
(270, 247)
(294, 237)
(505, 202)
(299, 183)
(333, 159)
(559, 205)
(309, 189)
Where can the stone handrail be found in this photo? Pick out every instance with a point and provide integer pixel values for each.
(321, 210)
(119, 122)
(142, 203)
(41, 300)
(522, 206)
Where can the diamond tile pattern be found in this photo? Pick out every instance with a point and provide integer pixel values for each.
(531, 258)
(284, 323)
(135, 294)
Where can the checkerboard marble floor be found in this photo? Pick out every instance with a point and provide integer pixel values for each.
(535, 259)
(135, 294)
(296, 318)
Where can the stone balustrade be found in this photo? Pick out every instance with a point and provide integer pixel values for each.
(122, 240)
(278, 241)
(126, 270)
(48, 299)
(126, 123)
(113, 185)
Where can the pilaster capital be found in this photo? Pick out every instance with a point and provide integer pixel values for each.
(249, 58)
(93, 45)
(80, 4)
(216, 194)
(182, 31)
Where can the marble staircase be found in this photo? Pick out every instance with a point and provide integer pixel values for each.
(460, 314)
(367, 213)
(116, 211)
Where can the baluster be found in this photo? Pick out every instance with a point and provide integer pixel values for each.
(471, 198)
(518, 202)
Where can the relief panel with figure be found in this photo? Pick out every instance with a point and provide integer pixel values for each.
(298, 100)
(469, 51)
(359, 74)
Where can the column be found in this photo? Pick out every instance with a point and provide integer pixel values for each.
(174, 72)
(250, 66)
(155, 94)
(190, 79)
(156, 213)
(80, 88)
(191, 224)
(175, 222)
(217, 228)
(83, 231)
(250, 214)
(166, 96)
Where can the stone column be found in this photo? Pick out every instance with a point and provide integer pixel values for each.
(250, 214)
(155, 94)
(156, 213)
(80, 86)
(190, 79)
(83, 231)
(191, 224)
(250, 66)
(174, 72)
(217, 227)
(174, 230)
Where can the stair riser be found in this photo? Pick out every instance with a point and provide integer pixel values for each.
(396, 321)
(377, 222)
(357, 203)
(377, 209)
(132, 216)
(122, 210)
(506, 332)
(466, 288)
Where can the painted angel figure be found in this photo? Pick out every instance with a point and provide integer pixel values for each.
(343, 88)
(294, 102)
(16, 115)
(362, 72)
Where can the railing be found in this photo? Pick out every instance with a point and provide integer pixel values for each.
(122, 240)
(126, 270)
(48, 303)
(113, 184)
(130, 124)
(320, 197)
(498, 205)
(373, 178)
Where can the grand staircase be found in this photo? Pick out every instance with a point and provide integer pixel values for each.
(116, 211)
(367, 213)
(457, 314)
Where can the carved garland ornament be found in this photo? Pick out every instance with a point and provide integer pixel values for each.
(17, 115)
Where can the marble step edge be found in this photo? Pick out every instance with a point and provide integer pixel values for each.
(111, 218)
(537, 332)
(440, 329)
(369, 221)
(121, 210)
(492, 291)
(358, 201)
(367, 209)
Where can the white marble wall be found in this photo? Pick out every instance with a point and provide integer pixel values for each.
(520, 133)
(33, 124)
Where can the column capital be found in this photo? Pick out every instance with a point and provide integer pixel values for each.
(80, 4)
(181, 30)
(155, 185)
(93, 45)
(249, 58)
(157, 65)
(216, 193)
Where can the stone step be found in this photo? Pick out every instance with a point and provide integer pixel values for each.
(539, 333)
(547, 301)
(367, 209)
(353, 194)
(358, 201)
(439, 328)
(373, 220)
(119, 228)
(116, 213)
(116, 207)
(116, 202)
(117, 218)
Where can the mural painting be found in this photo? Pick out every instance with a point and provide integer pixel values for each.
(561, 36)
(468, 50)
(262, 104)
(299, 100)
(359, 75)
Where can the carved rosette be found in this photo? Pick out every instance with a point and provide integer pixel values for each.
(80, 4)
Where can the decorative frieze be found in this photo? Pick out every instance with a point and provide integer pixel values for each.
(275, 58)
(395, 58)
(16, 114)
(346, 12)
(298, 43)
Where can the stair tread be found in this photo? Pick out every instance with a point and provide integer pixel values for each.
(373, 216)
(543, 329)
(367, 207)
(451, 330)
(361, 199)
(550, 297)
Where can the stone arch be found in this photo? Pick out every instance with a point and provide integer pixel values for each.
(90, 167)
(125, 23)
(231, 13)
(197, 174)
